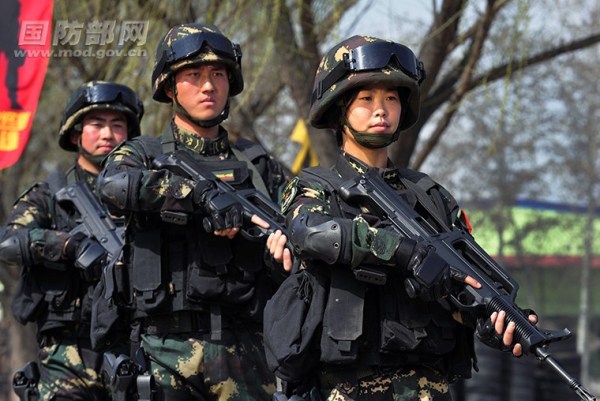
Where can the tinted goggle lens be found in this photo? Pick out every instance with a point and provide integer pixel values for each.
(374, 56)
(108, 93)
(192, 44)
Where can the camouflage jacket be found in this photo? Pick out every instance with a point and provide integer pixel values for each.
(61, 295)
(219, 269)
(378, 324)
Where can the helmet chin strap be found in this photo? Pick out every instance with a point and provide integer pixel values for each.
(372, 141)
(178, 108)
(96, 160)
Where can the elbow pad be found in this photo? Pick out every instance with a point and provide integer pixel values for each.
(119, 190)
(325, 241)
(14, 250)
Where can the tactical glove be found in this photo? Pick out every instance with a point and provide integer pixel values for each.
(223, 210)
(431, 277)
(87, 254)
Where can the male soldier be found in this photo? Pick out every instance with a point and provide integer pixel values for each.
(199, 294)
(53, 292)
(377, 341)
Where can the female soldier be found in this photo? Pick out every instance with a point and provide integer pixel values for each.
(375, 341)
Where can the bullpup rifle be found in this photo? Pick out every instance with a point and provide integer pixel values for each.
(459, 250)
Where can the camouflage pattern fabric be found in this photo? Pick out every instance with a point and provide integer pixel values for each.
(161, 189)
(68, 366)
(323, 113)
(408, 384)
(233, 369)
(370, 238)
(168, 62)
(302, 196)
(71, 370)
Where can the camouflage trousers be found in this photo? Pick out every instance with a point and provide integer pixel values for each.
(70, 370)
(406, 384)
(191, 366)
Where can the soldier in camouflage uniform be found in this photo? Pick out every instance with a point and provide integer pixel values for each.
(198, 295)
(52, 291)
(377, 343)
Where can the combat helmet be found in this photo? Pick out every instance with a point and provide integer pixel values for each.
(195, 43)
(360, 61)
(99, 95)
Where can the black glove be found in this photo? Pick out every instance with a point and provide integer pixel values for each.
(486, 333)
(87, 254)
(223, 209)
(432, 278)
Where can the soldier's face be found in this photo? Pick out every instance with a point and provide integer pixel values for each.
(375, 110)
(202, 90)
(102, 131)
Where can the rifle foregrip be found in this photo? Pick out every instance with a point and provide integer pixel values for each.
(525, 332)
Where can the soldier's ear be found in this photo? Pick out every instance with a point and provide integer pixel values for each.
(74, 137)
(168, 87)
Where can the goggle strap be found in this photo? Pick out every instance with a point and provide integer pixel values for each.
(334, 76)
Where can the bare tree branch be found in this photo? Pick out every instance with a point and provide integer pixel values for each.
(463, 83)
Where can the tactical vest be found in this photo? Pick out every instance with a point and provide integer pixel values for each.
(379, 325)
(54, 294)
(184, 268)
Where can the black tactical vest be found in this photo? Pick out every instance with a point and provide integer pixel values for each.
(379, 325)
(184, 268)
(54, 294)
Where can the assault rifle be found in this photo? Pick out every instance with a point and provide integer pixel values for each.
(95, 222)
(253, 202)
(458, 248)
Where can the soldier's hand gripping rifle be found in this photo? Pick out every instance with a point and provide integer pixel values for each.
(253, 202)
(460, 251)
(95, 222)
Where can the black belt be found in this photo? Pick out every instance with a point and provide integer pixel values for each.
(187, 322)
(177, 322)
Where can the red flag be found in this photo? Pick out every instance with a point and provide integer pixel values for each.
(25, 38)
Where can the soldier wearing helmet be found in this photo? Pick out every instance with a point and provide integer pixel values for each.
(55, 287)
(373, 341)
(198, 294)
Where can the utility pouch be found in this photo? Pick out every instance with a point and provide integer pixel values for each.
(148, 283)
(28, 301)
(292, 325)
(343, 319)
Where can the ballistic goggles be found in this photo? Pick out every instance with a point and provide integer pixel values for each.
(373, 56)
(192, 44)
(106, 93)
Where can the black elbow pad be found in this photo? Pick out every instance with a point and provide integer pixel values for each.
(14, 250)
(119, 190)
(325, 241)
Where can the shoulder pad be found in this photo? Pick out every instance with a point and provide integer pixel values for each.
(325, 176)
(251, 149)
(42, 186)
(144, 147)
(418, 177)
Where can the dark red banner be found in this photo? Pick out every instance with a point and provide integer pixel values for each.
(25, 39)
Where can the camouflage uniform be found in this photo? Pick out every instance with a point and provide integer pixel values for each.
(198, 297)
(68, 366)
(52, 292)
(375, 375)
(374, 342)
(182, 356)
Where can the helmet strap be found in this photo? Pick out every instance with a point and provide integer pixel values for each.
(178, 108)
(96, 160)
(372, 141)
